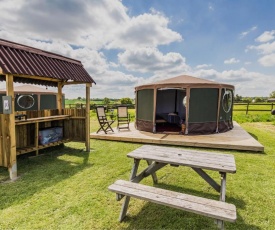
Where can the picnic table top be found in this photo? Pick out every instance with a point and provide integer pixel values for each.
(185, 157)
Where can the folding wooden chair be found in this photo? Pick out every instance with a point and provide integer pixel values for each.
(105, 124)
(123, 118)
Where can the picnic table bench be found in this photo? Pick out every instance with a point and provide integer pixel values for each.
(157, 157)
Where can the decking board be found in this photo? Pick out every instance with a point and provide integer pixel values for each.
(235, 139)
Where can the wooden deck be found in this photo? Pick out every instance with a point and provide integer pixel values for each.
(235, 139)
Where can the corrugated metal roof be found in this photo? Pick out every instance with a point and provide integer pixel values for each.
(17, 59)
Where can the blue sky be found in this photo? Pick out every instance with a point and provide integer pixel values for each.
(126, 43)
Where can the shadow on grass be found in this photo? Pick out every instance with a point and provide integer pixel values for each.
(38, 172)
(154, 216)
(253, 135)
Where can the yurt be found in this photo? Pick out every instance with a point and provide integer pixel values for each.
(30, 97)
(185, 105)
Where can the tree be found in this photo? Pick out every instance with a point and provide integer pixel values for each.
(238, 98)
(272, 95)
(79, 98)
(258, 99)
(126, 101)
(247, 99)
(106, 101)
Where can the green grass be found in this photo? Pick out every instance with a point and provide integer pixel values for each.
(94, 123)
(66, 188)
(254, 106)
(241, 117)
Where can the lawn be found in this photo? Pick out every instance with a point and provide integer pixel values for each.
(66, 188)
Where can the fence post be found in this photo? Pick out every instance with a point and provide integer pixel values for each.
(271, 106)
(247, 108)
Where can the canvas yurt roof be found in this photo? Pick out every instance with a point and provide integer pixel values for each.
(183, 81)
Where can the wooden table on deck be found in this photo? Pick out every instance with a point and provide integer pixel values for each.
(157, 157)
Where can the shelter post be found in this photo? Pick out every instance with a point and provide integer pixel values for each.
(88, 86)
(59, 98)
(9, 137)
(154, 110)
(187, 110)
(219, 107)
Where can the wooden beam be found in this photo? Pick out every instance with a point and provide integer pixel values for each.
(87, 122)
(1, 71)
(44, 78)
(59, 98)
(39, 78)
(74, 83)
(36, 138)
(10, 140)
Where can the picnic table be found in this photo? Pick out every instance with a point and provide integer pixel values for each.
(157, 157)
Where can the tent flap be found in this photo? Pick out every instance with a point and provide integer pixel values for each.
(145, 104)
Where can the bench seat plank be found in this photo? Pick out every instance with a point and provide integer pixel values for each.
(211, 208)
(196, 159)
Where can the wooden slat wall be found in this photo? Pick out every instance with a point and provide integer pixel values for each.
(4, 140)
(3, 157)
(74, 128)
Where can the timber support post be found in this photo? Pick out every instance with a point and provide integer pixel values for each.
(87, 117)
(10, 145)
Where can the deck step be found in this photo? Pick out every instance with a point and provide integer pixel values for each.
(202, 206)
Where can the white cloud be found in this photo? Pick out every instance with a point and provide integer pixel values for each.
(94, 24)
(115, 84)
(265, 48)
(146, 60)
(146, 30)
(231, 61)
(267, 60)
(111, 84)
(210, 7)
(245, 33)
(246, 83)
(84, 30)
(266, 36)
(203, 66)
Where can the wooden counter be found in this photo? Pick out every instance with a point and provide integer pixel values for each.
(41, 119)
(36, 121)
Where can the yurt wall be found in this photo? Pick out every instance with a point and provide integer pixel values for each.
(145, 111)
(203, 108)
(145, 104)
(226, 108)
(203, 105)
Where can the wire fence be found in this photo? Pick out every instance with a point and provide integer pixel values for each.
(245, 107)
(254, 107)
(93, 106)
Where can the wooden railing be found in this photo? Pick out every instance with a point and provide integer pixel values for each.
(254, 107)
(246, 107)
(93, 106)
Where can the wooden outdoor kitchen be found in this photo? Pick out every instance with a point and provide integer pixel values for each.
(19, 130)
